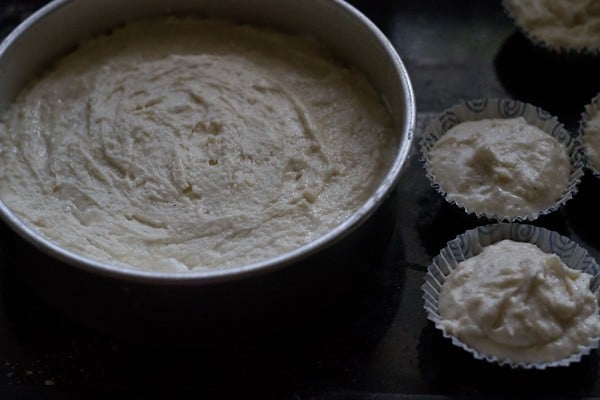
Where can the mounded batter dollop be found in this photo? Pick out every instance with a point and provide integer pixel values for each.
(504, 167)
(191, 144)
(516, 302)
(591, 137)
(570, 24)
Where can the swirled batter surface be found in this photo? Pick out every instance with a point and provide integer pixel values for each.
(190, 144)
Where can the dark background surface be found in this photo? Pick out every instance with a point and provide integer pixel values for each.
(375, 338)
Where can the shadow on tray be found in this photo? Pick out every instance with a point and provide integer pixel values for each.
(449, 369)
(70, 321)
(562, 85)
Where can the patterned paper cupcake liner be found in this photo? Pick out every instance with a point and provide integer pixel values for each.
(479, 109)
(567, 53)
(591, 110)
(472, 242)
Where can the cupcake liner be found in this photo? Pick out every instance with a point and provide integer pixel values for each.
(472, 243)
(503, 108)
(591, 110)
(567, 53)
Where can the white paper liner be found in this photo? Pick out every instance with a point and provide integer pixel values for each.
(474, 110)
(591, 110)
(560, 50)
(472, 243)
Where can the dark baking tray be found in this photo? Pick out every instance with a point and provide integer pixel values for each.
(375, 341)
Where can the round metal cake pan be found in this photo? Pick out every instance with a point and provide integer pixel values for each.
(58, 27)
